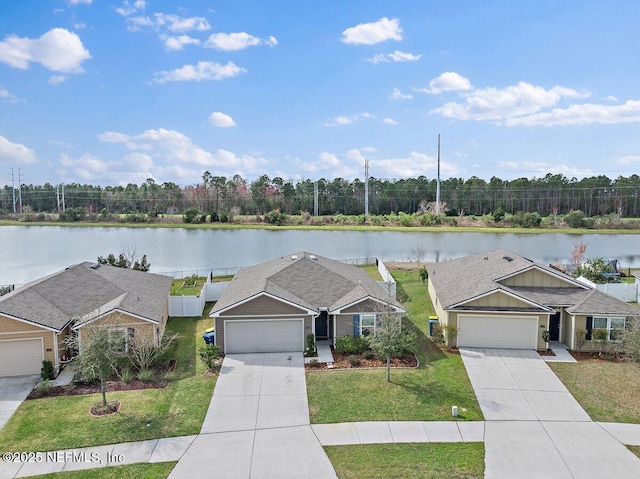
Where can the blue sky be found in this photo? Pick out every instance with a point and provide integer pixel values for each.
(113, 92)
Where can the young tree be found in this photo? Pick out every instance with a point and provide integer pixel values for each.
(102, 352)
(391, 341)
(577, 255)
(127, 259)
(630, 339)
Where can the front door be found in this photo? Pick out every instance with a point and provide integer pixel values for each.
(554, 327)
(322, 325)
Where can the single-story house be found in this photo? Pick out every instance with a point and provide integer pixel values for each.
(36, 318)
(273, 306)
(501, 300)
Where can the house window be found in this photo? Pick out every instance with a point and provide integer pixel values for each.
(614, 326)
(367, 324)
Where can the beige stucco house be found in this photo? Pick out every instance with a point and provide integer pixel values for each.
(502, 300)
(273, 306)
(35, 319)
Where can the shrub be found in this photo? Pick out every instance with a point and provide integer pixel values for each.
(47, 371)
(498, 215)
(310, 350)
(147, 375)
(214, 218)
(438, 334)
(275, 217)
(575, 219)
(526, 220)
(126, 375)
(581, 338)
(73, 214)
(191, 215)
(208, 355)
(44, 388)
(354, 361)
(452, 335)
(349, 345)
(314, 364)
(368, 354)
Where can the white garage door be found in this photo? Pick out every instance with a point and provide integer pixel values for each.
(268, 336)
(497, 332)
(20, 357)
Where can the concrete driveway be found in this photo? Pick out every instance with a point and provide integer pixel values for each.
(534, 427)
(257, 425)
(13, 391)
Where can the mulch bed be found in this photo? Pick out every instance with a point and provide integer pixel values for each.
(586, 355)
(546, 352)
(341, 361)
(93, 388)
(112, 407)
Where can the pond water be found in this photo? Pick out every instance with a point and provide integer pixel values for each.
(31, 252)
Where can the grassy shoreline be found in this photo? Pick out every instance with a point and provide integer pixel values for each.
(330, 227)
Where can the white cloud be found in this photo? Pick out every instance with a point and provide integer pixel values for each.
(447, 81)
(396, 94)
(369, 149)
(58, 50)
(15, 153)
(542, 168)
(221, 120)
(228, 42)
(165, 21)
(348, 120)
(176, 148)
(132, 168)
(414, 165)
(510, 102)
(372, 33)
(176, 23)
(201, 71)
(390, 121)
(394, 57)
(175, 43)
(8, 97)
(328, 164)
(128, 9)
(610, 98)
(78, 2)
(583, 114)
(629, 160)
(57, 79)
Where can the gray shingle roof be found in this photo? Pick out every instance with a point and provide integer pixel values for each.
(309, 281)
(55, 300)
(460, 280)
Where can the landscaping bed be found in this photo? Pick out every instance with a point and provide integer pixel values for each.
(94, 388)
(351, 361)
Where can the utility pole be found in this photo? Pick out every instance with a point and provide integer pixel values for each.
(315, 198)
(63, 204)
(20, 188)
(366, 187)
(438, 181)
(13, 191)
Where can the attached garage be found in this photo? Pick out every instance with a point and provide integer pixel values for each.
(263, 336)
(20, 357)
(507, 332)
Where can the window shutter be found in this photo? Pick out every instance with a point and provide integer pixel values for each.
(356, 325)
(589, 327)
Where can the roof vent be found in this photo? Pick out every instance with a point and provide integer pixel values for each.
(313, 256)
(294, 257)
(95, 266)
(508, 258)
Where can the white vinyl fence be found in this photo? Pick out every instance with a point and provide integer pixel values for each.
(187, 306)
(627, 292)
(388, 283)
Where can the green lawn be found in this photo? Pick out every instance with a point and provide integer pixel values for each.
(607, 390)
(424, 394)
(158, 470)
(64, 422)
(635, 450)
(372, 270)
(407, 461)
(187, 286)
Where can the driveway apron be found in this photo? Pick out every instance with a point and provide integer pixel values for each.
(534, 426)
(257, 425)
(13, 391)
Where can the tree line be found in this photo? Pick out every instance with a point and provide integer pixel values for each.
(548, 196)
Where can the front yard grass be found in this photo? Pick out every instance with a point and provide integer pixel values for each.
(423, 394)
(407, 461)
(158, 470)
(64, 422)
(607, 390)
